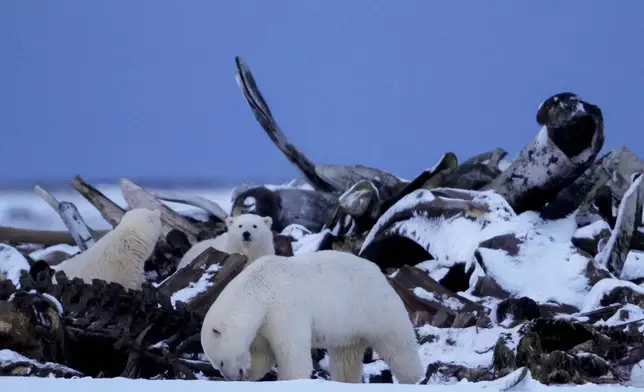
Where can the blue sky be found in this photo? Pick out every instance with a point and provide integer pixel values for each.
(146, 88)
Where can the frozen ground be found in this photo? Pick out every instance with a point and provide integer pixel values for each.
(126, 385)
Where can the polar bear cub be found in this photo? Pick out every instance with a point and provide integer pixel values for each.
(248, 234)
(119, 256)
(278, 308)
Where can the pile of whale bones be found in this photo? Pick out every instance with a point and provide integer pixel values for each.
(460, 243)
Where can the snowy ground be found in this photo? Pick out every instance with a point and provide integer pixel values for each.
(126, 385)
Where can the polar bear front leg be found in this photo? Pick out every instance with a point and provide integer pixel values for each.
(290, 339)
(262, 358)
(345, 363)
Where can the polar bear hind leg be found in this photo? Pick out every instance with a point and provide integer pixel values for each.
(345, 363)
(402, 359)
(291, 344)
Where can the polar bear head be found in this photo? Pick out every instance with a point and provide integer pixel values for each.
(226, 351)
(250, 231)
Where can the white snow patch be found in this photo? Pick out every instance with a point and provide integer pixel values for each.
(11, 263)
(592, 230)
(471, 347)
(547, 268)
(8, 357)
(637, 375)
(449, 302)
(604, 287)
(195, 288)
(633, 266)
(635, 313)
(296, 231)
(129, 385)
(41, 254)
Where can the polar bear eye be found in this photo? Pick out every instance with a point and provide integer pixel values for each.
(240, 226)
(254, 226)
(216, 332)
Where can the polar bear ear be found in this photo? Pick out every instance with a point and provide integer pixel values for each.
(268, 221)
(229, 221)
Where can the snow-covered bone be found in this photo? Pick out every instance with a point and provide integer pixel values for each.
(571, 135)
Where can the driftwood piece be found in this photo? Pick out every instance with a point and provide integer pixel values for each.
(421, 293)
(232, 265)
(209, 206)
(81, 233)
(109, 210)
(192, 272)
(572, 134)
(629, 217)
(14, 235)
(137, 197)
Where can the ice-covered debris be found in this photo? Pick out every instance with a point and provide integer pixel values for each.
(615, 252)
(296, 231)
(448, 239)
(309, 243)
(471, 347)
(592, 230)
(603, 287)
(633, 266)
(11, 263)
(628, 313)
(195, 288)
(547, 266)
(407, 202)
(22, 365)
(451, 303)
(41, 254)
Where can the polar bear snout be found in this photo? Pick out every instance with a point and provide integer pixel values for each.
(232, 374)
(246, 236)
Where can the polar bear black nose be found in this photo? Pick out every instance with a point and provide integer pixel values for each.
(246, 235)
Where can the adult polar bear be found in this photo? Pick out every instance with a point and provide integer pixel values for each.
(248, 234)
(119, 256)
(278, 308)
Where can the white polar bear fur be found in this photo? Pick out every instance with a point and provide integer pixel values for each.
(119, 256)
(260, 244)
(279, 308)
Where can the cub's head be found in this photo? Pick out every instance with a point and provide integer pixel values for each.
(225, 351)
(250, 230)
(144, 220)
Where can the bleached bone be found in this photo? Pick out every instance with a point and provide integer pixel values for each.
(209, 206)
(137, 197)
(109, 210)
(68, 212)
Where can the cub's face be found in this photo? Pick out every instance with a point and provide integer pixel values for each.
(224, 354)
(250, 229)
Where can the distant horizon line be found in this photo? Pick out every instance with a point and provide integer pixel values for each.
(154, 182)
